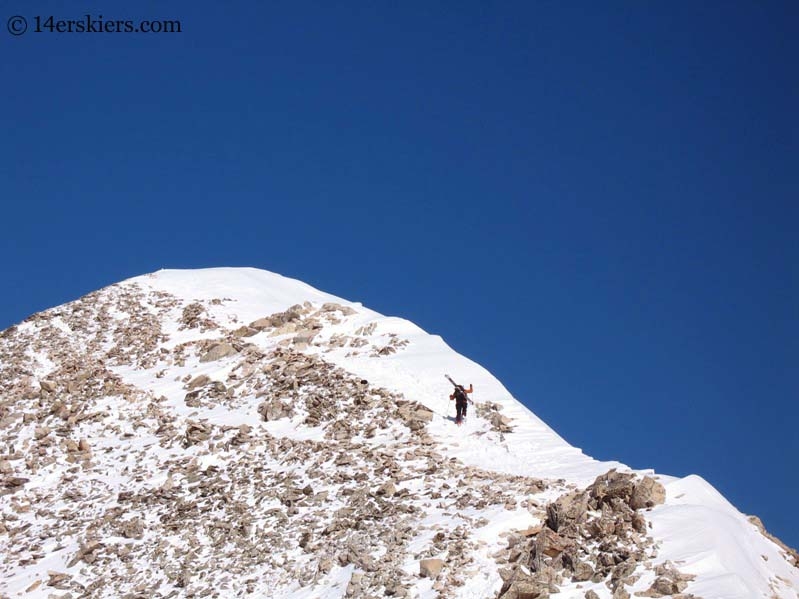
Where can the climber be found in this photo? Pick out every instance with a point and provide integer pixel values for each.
(461, 397)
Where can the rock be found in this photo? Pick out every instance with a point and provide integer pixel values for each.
(305, 539)
(245, 331)
(14, 482)
(354, 585)
(34, 586)
(388, 489)
(669, 582)
(567, 509)
(531, 531)
(198, 381)
(47, 386)
(133, 529)
(274, 410)
(647, 493)
(591, 595)
(218, 351)
(261, 324)
(191, 315)
(639, 523)
(6, 467)
(196, 432)
(333, 307)
(278, 319)
(582, 571)
(612, 485)
(303, 338)
(40, 432)
(58, 580)
(285, 329)
(792, 553)
(526, 590)
(423, 414)
(83, 445)
(430, 568)
(551, 543)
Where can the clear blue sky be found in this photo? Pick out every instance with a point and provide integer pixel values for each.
(595, 200)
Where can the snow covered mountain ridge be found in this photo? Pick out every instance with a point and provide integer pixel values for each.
(234, 433)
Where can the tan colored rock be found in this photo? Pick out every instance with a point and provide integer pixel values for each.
(303, 338)
(333, 307)
(285, 329)
(58, 580)
(218, 351)
(423, 415)
(531, 531)
(47, 386)
(245, 331)
(612, 485)
(274, 410)
(261, 324)
(551, 543)
(388, 489)
(430, 568)
(647, 493)
(198, 381)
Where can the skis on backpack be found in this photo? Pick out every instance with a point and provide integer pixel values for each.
(457, 386)
(460, 388)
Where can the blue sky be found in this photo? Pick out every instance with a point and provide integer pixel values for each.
(596, 201)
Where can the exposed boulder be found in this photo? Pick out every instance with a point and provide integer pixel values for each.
(430, 568)
(593, 534)
(218, 351)
(612, 485)
(198, 381)
(647, 493)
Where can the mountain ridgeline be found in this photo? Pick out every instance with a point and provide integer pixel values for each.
(234, 433)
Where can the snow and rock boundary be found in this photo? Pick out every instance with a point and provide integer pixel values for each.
(185, 418)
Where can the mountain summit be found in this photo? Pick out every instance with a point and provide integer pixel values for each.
(234, 433)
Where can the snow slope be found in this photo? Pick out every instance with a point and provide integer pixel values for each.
(696, 529)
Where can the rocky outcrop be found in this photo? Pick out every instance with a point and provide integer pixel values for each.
(592, 534)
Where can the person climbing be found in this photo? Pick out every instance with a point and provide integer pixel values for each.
(461, 397)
